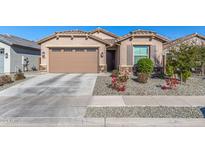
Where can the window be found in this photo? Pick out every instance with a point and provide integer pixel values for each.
(79, 49)
(140, 52)
(56, 49)
(91, 49)
(68, 49)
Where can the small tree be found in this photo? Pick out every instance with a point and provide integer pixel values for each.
(182, 59)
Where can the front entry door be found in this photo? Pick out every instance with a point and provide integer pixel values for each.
(110, 60)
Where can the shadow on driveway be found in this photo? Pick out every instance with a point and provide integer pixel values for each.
(52, 80)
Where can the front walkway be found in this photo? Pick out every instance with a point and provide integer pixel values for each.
(172, 101)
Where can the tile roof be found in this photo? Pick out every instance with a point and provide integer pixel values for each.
(74, 33)
(104, 31)
(182, 39)
(15, 40)
(140, 32)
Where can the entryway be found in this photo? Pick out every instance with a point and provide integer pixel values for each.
(110, 58)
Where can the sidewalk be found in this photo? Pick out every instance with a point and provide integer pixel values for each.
(126, 101)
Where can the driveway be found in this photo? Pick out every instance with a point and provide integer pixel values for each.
(54, 85)
(47, 97)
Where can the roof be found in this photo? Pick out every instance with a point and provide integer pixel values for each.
(15, 40)
(143, 33)
(182, 39)
(73, 33)
(111, 41)
(104, 31)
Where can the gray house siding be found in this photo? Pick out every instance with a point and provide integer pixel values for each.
(18, 54)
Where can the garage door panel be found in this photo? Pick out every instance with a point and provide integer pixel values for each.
(73, 62)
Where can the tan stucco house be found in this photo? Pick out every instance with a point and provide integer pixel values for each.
(194, 39)
(97, 51)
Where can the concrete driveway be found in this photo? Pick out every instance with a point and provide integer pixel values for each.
(47, 97)
(54, 85)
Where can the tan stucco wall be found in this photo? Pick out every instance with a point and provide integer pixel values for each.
(139, 41)
(102, 35)
(75, 42)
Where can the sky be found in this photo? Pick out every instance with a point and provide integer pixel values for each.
(36, 33)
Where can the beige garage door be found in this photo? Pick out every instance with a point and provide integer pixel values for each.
(73, 60)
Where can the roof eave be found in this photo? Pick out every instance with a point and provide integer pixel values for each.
(56, 34)
(154, 36)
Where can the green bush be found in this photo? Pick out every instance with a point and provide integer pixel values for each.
(145, 65)
(170, 70)
(185, 75)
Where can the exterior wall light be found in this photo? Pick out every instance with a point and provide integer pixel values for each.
(101, 54)
(43, 54)
(6, 55)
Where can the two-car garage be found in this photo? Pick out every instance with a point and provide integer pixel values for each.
(73, 60)
(73, 52)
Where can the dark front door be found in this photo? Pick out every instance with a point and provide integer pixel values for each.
(110, 60)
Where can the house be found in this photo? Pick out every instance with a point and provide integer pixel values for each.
(77, 51)
(18, 54)
(194, 39)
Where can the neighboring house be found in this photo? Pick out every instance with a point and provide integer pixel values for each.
(99, 50)
(18, 53)
(194, 39)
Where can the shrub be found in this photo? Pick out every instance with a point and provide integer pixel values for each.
(115, 73)
(123, 76)
(33, 68)
(145, 68)
(143, 77)
(185, 75)
(119, 81)
(145, 65)
(19, 76)
(5, 79)
(170, 70)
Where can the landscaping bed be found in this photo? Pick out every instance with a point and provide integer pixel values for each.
(145, 112)
(7, 81)
(194, 86)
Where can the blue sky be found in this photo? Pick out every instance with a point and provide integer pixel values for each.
(38, 32)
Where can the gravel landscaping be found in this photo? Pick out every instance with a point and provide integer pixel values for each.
(195, 86)
(13, 83)
(145, 112)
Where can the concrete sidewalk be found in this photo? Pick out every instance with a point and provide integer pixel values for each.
(100, 122)
(172, 101)
(70, 111)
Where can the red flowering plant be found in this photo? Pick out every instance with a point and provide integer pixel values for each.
(171, 83)
(119, 80)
